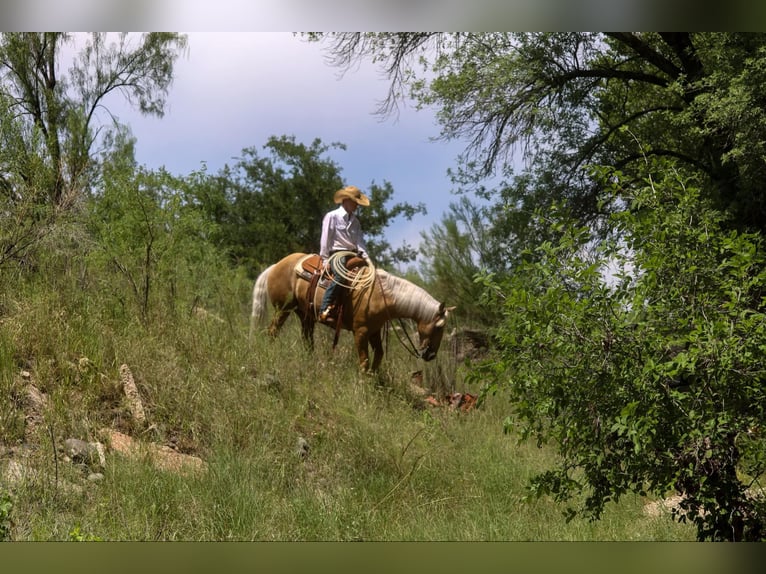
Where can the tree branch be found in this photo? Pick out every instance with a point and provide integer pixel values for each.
(645, 51)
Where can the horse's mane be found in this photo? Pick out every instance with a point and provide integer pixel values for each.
(407, 298)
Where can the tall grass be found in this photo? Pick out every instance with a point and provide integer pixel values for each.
(380, 466)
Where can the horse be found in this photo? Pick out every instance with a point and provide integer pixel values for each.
(365, 311)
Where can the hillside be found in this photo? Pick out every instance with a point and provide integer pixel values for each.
(271, 441)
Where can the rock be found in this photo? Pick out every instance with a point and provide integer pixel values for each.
(163, 457)
(101, 453)
(469, 344)
(36, 404)
(302, 447)
(82, 452)
(16, 473)
(455, 401)
(37, 400)
(131, 392)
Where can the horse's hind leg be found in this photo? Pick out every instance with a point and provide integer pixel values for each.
(279, 319)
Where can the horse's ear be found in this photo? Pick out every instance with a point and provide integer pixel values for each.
(443, 312)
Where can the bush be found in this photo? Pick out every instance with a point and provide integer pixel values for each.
(641, 359)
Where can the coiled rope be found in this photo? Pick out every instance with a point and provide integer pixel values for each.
(363, 278)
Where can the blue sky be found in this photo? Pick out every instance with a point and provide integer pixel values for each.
(235, 90)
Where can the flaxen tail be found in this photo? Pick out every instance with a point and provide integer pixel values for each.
(260, 300)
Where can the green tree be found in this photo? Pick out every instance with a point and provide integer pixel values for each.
(572, 99)
(651, 381)
(652, 384)
(269, 205)
(51, 133)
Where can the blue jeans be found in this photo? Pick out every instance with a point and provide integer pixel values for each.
(331, 295)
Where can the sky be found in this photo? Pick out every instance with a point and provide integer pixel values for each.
(235, 90)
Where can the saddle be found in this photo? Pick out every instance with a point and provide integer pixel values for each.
(311, 265)
(310, 269)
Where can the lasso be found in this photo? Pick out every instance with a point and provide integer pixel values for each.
(362, 279)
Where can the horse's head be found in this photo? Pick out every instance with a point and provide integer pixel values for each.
(430, 333)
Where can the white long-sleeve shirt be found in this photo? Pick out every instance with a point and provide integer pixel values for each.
(341, 230)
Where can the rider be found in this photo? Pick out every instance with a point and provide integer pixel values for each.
(341, 231)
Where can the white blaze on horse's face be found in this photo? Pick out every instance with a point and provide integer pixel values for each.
(431, 333)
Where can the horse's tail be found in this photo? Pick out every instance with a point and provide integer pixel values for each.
(260, 299)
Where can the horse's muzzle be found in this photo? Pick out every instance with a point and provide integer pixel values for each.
(428, 354)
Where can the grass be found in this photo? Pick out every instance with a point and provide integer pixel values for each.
(380, 466)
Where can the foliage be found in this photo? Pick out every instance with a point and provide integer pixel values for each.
(150, 238)
(76, 535)
(640, 358)
(51, 129)
(453, 252)
(650, 382)
(268, 206)
(380, 467)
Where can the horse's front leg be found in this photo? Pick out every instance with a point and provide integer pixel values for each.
(361, 337)
(376, 340)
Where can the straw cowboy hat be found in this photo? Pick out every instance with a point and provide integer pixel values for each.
(352, 192)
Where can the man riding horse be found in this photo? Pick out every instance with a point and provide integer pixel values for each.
(341, 231)
(370, 307)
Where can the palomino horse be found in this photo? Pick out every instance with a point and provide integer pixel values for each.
(365, 312)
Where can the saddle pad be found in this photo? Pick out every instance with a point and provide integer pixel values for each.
(309, 265)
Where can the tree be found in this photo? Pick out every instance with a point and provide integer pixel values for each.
(267, 206)
(652, 382)
(50, 129)
(572, 99)
(52, 115)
